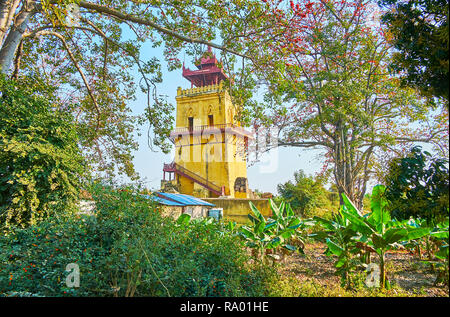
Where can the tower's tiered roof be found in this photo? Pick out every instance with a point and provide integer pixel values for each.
(208, 73)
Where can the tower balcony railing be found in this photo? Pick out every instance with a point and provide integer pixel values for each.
(199, 90)
(224, 127)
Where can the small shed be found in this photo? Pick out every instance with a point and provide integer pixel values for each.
(174, 205)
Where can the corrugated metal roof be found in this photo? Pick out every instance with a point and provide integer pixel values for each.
(163, 201)
(186, 200)
(170, 199)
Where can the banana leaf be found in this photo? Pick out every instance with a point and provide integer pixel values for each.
(378, 205)
(416, 233)
(334, 248)
(359, 223)
(275, 242)
(247, 233)
(183, 219)
(327, 224)
(287, 233)
(440, 234)
(256, 211)
(443, 252)
(275, 210)
(260, 227)
(378, 242)
(349, 206)
(393, 235)
(294, 222)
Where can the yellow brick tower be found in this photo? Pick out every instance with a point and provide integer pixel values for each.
(210, 145)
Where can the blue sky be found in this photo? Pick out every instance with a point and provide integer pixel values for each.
(277, 167)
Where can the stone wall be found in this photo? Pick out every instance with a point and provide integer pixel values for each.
(237, 209)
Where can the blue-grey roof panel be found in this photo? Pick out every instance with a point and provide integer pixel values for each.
(163, 201)
(186, 200)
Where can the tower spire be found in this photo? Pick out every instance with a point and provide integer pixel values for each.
(208, 72)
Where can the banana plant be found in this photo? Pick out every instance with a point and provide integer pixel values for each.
(441, 233)
(416, 244)
(342, 241)
(256, 234)
(379, 230)
(273, 232)
(286, 225)
(441, 262)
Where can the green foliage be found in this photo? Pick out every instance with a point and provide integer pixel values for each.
(343, 241)
(420, 34)
(99, 66)
(41, 168)
(418, 187)
(128, 249)
(328, 87)
(33, 260)
(265, 234)
(307, 196)
(441, 233)
(375, 232)
(379, 231)
(439, 236)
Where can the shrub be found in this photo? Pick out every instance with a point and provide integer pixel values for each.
(417, 186)
(307, 196)
(41, 166)
(128, 249)
(33, 260)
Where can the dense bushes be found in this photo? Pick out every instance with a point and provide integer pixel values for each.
(127, 249)
(40, 163)
(308, 196)
(417, 185)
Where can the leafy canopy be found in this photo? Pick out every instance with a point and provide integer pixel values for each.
(103, 59)
(419, 31)
(418, 186)
(323, 69)
(307, 195)
(41, 167)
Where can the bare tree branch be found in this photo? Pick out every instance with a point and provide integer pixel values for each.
(128, 17)
(77, 66)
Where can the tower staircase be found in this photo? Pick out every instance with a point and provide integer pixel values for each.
(180, 170)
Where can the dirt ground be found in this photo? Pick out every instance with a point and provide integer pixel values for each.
(404, 271)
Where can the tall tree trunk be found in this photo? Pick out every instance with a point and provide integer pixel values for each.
(5, 7)
(7, 11)
(346, 182)
(12, 41)
(343, 166)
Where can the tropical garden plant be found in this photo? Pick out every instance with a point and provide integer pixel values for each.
(278, 231)
(439, 261)
(375, 232)
(380, 230)
(341, 241)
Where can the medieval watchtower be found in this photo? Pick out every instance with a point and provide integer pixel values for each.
(210, 145)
